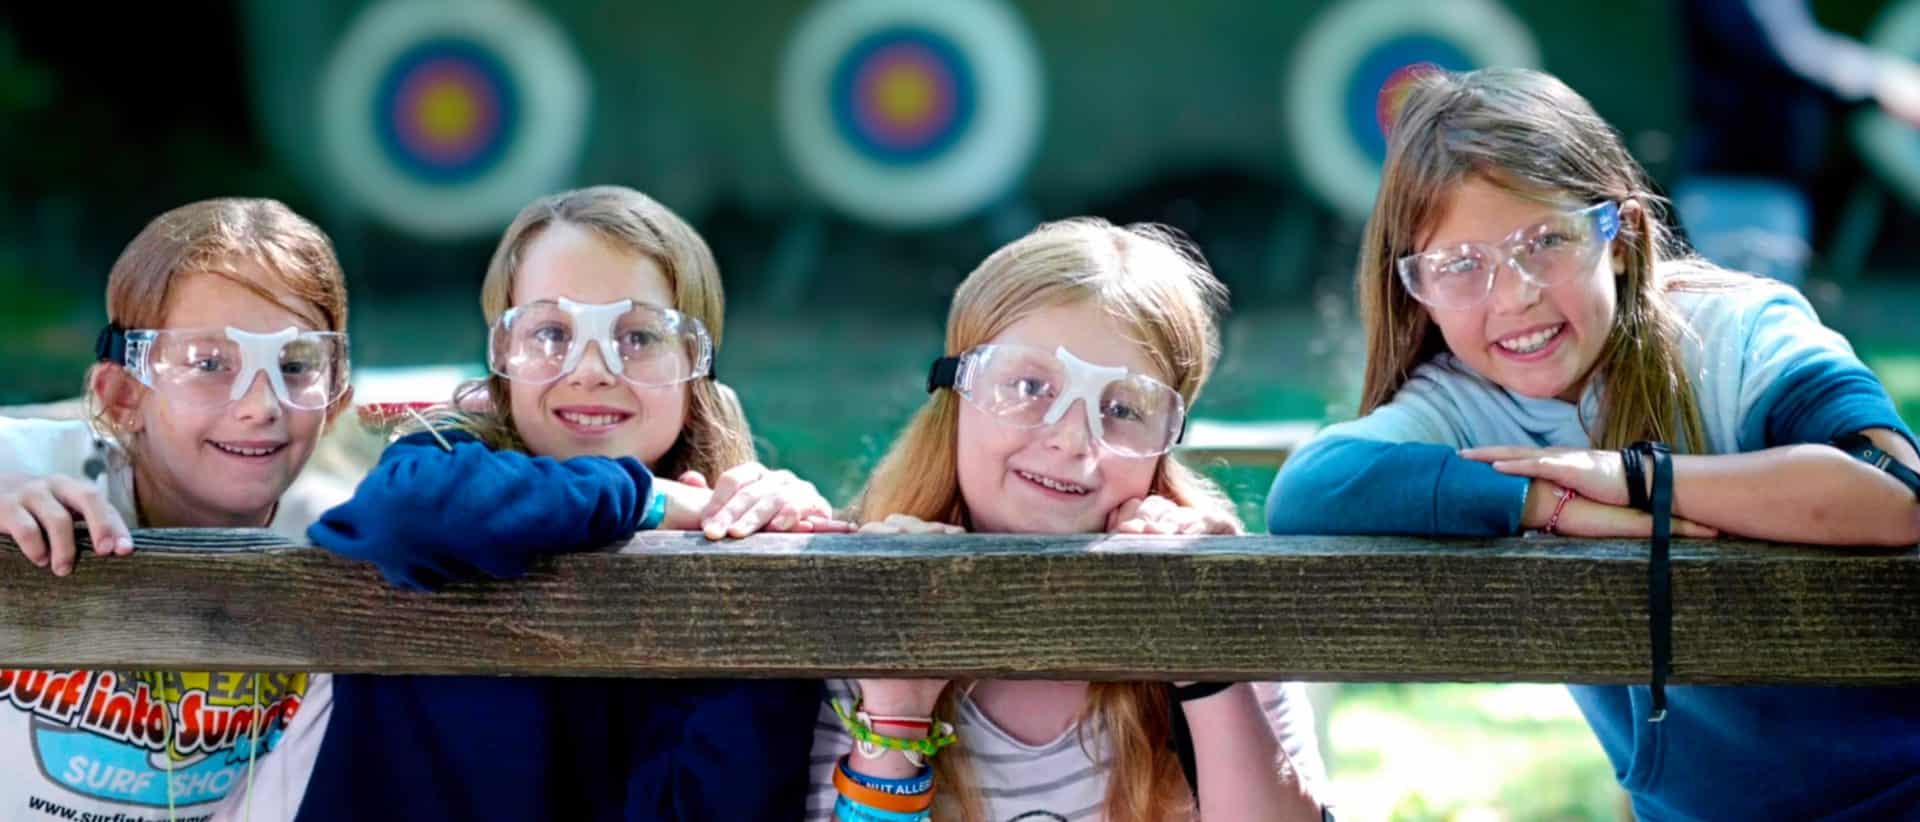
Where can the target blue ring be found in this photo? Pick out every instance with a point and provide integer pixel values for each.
(844, 95)
(493, 72)
(1363, 89)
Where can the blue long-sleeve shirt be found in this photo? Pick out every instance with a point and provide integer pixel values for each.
(1766, 373)
(426, 515)
(423, 747)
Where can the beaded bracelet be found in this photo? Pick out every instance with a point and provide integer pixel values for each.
(1553, 522)
(917, 784)
(847, 810)
(880, 800)
(872, 745)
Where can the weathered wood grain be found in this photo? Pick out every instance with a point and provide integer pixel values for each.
(1317, 608)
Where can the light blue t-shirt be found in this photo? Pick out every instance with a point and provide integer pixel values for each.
(1766, 373)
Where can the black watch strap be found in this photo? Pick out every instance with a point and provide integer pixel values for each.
(1861, 448)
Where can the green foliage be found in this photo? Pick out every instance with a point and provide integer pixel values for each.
(24, 86)
(1465, 752)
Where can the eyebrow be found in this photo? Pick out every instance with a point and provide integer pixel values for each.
(1534, 223)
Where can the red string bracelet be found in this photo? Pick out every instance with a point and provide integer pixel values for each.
(1553, 522)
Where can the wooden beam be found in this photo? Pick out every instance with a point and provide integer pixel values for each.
(1083, 607)
(1253, 444)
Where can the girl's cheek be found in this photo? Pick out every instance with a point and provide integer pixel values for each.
(664, 407)
(1128, 477)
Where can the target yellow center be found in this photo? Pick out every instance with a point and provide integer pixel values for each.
(447, 112)
(905, 95)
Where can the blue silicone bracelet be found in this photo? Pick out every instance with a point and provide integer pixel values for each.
(847, 810)
(917, 784)
(656, 511)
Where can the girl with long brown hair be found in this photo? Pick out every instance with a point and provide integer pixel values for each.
(1529, 320)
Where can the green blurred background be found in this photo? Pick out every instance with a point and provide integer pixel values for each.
(1159, 112)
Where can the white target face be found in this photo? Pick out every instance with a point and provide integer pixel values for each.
(1354, 59)
(446, 119)
(910, 113)
(1889, 145)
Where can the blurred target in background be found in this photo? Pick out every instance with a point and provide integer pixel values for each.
(910, 114)
(445, 119)
(1352, 67)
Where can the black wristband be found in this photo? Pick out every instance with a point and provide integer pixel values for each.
(1861, 448)
(1660, 579)
(1630, 459)
(1199, 690)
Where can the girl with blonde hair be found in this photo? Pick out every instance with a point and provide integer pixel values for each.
(1541, 354)
(604, 310)
(1072, 355)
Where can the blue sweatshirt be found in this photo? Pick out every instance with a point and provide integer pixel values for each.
(427, 747)
(1766, 373)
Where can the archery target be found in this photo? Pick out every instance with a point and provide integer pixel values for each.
(447, 118)
(1353, 69)
(907, 113)
(1889, 145)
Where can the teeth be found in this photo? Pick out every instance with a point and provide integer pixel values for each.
(245, 452)
(590, 419)
(1531, 342)
(1063, 487)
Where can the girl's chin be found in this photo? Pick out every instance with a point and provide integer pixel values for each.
(1029, 521)
(1537, 389)
(1543, 381)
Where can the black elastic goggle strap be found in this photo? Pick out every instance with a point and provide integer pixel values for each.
(943, 373)
(111, 345)
(1861, 448)
(1659, 571)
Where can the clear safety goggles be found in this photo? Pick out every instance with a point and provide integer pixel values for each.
(1544, 254)
(644, 344)
(211, 367)
(1025, 387)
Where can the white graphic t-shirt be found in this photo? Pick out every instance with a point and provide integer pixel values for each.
(124, 746)
(1058, 780)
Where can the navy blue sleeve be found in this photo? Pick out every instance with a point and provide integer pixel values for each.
(1824, 401)
(427, 516)
(720, 749)
(1349, 485)
(1800, 381)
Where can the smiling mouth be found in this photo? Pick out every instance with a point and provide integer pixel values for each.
(247, 452)
(1052, 484)
(604, 419)
(1531, 343)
